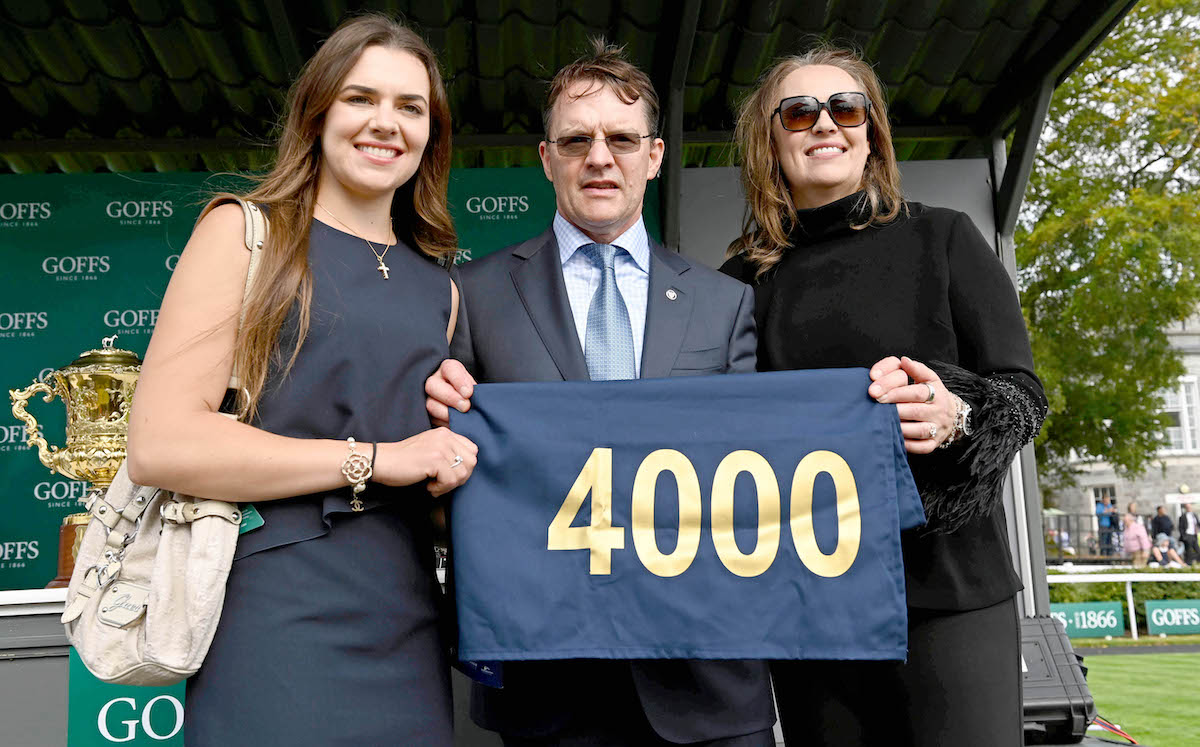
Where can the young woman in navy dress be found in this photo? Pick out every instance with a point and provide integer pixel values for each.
(330, 630)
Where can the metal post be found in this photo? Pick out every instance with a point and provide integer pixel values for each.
(1132, 610)
(285, 37)
(671, 174)
(1010, 175)
(1011, 190)
(1021, 520)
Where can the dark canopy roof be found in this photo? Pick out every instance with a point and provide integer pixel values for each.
(198, 84)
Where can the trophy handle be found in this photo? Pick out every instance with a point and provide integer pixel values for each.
(33, 437)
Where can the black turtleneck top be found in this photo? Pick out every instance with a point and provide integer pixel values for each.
(928, 286)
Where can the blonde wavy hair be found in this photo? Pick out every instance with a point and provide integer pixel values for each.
(770, 211)
(420, 214)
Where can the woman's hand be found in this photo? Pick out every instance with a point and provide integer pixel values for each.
(926, 407)
(439, 456)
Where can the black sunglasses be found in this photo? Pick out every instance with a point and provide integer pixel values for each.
(800, 113)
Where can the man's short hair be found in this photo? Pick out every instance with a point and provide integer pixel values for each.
(605, 66)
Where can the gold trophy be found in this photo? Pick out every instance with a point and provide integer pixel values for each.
(97, 389)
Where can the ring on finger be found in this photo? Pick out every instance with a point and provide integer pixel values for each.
(456, 461)
(931, 392)
(932, 430)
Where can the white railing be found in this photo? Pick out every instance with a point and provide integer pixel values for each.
(1128, 578)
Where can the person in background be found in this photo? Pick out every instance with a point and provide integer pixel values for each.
(1189, 528)
(330, 632)
(1105, 515)
(1161, 523)
(1163, 553)
(1137, 542)
(847, 273)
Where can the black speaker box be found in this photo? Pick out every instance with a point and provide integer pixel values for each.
(1057, 703)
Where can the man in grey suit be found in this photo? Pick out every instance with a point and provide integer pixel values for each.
(594, 298)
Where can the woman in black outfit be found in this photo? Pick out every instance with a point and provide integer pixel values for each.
(848, 274)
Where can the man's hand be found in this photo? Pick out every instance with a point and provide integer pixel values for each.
(449, 386)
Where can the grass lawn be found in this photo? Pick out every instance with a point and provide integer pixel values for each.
(1145, 639)
(1153, 697)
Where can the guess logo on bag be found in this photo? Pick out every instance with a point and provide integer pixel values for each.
(123, 604)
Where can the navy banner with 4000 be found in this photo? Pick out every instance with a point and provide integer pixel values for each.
(752, 516)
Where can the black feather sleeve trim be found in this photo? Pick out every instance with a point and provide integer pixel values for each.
(966, 480)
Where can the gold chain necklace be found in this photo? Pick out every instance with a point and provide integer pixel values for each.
(383, 269)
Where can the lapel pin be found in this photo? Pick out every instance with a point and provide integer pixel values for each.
(672, 294)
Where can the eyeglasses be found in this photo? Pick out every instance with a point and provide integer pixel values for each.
(800, 113)
(619, 144)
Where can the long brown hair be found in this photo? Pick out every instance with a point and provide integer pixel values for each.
(289, 192)
(770, 212)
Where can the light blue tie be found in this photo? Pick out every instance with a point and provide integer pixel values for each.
(608, 346)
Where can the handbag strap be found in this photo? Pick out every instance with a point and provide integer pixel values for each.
(109, 565)
(186, 512)
(255, 237)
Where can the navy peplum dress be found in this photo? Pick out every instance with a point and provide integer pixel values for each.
(330, 632)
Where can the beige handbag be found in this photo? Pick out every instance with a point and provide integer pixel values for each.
(149, 579)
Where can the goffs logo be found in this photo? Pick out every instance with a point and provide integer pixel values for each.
(76, 267)
(134, 212)
(19, 550)
(131, 321)
(22, 323)
(20, 320)
(1178, 616)
(60, 490)
(11, 435)
(127, 730)
(498, 207)
(19, 214)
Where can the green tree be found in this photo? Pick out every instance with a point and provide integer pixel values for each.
(1109, 240)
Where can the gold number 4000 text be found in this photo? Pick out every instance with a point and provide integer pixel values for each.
(600, 537)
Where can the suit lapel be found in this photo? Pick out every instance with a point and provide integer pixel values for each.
(666, 318)
(539, 283)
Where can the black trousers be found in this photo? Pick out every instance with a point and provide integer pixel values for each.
(1191, 551)
(961, 685)
(615, 718)
(631, 734)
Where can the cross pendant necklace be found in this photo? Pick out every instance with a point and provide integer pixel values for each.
(383, 269)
